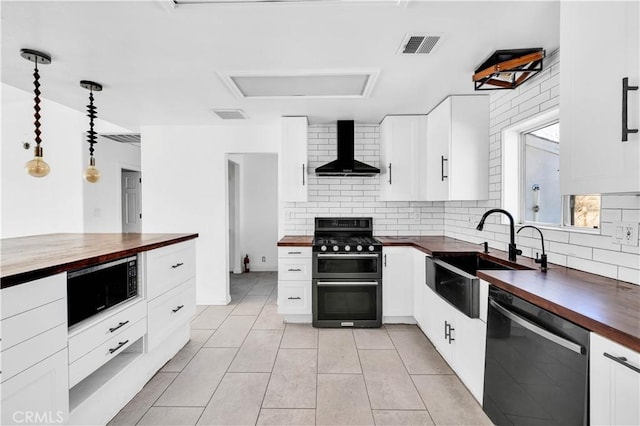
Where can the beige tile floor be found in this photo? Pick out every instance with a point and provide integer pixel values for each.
(244, 366)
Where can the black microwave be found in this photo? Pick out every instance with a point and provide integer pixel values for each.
(94, 289)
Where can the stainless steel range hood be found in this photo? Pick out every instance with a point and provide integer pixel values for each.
(345, 164)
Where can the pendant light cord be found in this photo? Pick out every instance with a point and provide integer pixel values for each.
(36, 107)
(91, 134)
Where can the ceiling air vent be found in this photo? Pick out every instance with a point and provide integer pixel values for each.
(230, 114)
(418, 44)
(123, 137)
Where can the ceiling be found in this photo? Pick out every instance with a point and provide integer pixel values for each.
(163, 65)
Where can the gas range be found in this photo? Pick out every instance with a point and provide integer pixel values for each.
(345, 235)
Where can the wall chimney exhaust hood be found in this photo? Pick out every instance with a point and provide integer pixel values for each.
(346, 165)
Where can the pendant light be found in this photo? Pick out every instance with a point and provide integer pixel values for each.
(92, 174)
(36, 167)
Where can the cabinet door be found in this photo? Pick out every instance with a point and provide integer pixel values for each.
(441, 324)
(419, 288)
(397, 282)
(438, 137)
(403, 156)
(600, 45)
(38, 395)
(293, 159)
(468, 360)
(614, 384)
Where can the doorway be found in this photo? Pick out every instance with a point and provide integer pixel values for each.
(234, 217)
(131, 201)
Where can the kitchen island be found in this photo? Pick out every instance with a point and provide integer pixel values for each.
(85, 373)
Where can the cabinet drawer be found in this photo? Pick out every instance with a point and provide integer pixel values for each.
(170, 311)
(294, 297)
(293, 252)
(168, 267)
(41, 390)
(23, 297)
(98, 333)
(21, 327)
(291, 269)
(105, 352)
(22, 356)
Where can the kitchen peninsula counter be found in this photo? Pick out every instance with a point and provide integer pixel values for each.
(603, 305)
(24, 259)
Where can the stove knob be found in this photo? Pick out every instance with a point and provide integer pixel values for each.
(347, 248)
(323, 248)
(336, 248)
(371, 248)
(359, 247)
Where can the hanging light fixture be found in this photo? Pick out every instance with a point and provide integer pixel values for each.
(92, 174)
(36, 167)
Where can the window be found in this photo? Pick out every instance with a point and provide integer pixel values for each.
(531, 177)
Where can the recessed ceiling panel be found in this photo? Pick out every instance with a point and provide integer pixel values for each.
(329, 85)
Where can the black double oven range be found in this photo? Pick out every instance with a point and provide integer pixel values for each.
(346, 274)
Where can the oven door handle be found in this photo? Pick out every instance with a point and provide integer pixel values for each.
(338, 255)
(346, 283)
(537, 329)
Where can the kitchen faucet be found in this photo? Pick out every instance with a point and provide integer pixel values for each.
(543, 259)
(513, 251)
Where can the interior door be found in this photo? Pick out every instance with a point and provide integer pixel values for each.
(131, 200)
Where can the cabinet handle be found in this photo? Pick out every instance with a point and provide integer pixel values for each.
(111, 330)
(625, 112)
(385, 260)
(622, 360)
(177, 309)
(294, 252)
(120, 344)
(389, 173)
(294, 298)
(442, 160)
(302, 174)
(294, 270)
(451, 339)
(177, 265)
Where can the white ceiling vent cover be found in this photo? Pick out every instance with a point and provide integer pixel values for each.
(231, 114)
(418, 44)
(122, 137)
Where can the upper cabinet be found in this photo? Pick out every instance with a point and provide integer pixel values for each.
(599, 50)
(293, 159)
(403, 158)
(458, 149)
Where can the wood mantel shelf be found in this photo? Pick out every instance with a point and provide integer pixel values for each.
(25, 259)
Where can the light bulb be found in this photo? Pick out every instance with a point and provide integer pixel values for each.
(37, 167)
(92, 174)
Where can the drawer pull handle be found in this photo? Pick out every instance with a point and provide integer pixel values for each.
(295, 270)
(120, 344)
(625, 114)
(177, 265)
(112, 329)
(294, 298)
(622, 360)
(177, 309)
(295, 252)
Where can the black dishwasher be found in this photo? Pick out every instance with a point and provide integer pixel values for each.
(536, 368)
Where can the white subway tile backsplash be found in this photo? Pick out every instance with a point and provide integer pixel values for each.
(627, 260)
(629, 275)
(593, 267)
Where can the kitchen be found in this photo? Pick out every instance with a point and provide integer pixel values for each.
(169, 207)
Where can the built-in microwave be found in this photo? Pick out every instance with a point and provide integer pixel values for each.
(92, 290)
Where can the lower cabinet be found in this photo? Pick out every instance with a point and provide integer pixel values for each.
(614, 380)
(294, 283)
(397, 284)
(460, 340)
(420, 307)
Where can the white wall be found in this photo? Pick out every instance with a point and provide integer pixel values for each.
(53, 203)
(103, 199)
(185, 190)
(259, 210)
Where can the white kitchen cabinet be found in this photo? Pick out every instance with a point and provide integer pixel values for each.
(614, 383)
(600, 46)
(460, 340)
(458, 149)
(403, 158)
(293, 159)
(397, 284)
(294, 283)
(33, 348)
(419, 289)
